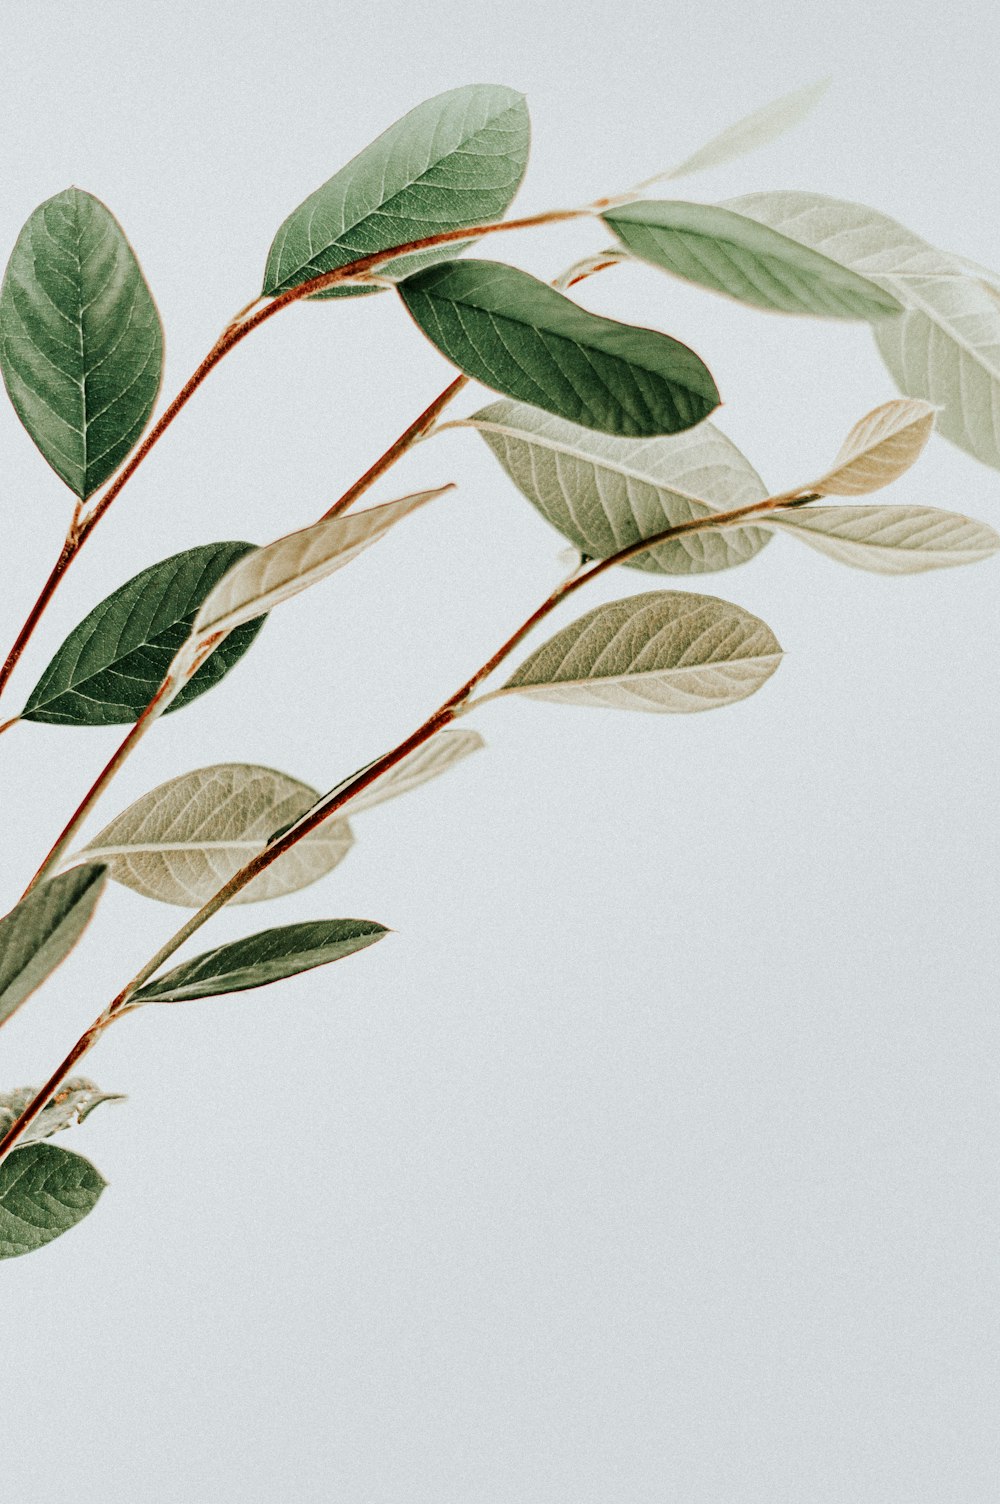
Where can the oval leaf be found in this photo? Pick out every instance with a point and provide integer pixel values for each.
(183, 840)
(891, 540)
(44, 1191)
(878, 450)
(663, 651)
(723, 250)
(291, 564)
(72, 1104)
(42, 930)
(455, 160)
(605, 493)
(945, 347)
(81, 347)
(750, 132)
(260, 959)
(111, 665)
(419, 766)
(526, 340)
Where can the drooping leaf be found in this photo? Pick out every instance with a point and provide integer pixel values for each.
(455, 160)
(664, 651)
(259, 959)
(81, 348)
(183, 840)
(878, 450)
(891, 540)
(526, 340)
(733, 254)
(605, 493)
(419, 766)
(72, 1104)
(276, 572)
(752, 131)
(44, 1191)
(945, 346)
(42, 930)
(112, 664)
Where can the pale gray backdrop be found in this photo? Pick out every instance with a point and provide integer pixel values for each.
(654, 1157)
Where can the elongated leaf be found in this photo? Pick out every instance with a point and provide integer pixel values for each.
(526, 340)
(44, 1191)
(291, 564)
(752, 131)
(665, 651)
(181, 841)
(945, 347)
(735, 255)
(260, 959)
(878, 450)
(424, 763)
(112, 664)
(891, 540)
(72, 1104)
(605, 493)
(81, 348)
(42, 930)
(455, 160)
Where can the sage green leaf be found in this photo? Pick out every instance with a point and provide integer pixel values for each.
(111, 665)
(260, 959)
(44, 1191)
(945, 346)
(664, 651)
(878, 450)
(81, 347)
(72, 1104)
(891, 540)
(419, 766)
(275, 573)
(455, 160)
(183, 840)
(42, 930)
(526, 340)
(605, 493)
(750, 132)
(732, 254)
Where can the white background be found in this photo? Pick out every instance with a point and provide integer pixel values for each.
(654, 1157)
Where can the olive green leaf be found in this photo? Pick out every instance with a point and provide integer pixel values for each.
(259, 959)
(663, 651)
(526, 340)
(44, 1191)
(605, 493)
(276, 572)
(81, 348)
(890, 540)
(72, 1104)
(455, 160)
(111, 665)
(183, 840)
(751, 132)
(732, 254)
(945, 346)
(878, 450)
(42, 930)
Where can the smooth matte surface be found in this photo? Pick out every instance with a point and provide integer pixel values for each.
(653, 1157)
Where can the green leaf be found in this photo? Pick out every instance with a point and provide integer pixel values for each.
(605, 493)
(723, 250)
(279, 570)
(72, 1104)
(750, 132)
(81, 347)
(890, 540)
(44, 1191)
(260, 959)
(664, 651)
(42, 930)
(526, 340)
(183, 840)
(945, 346)
(455, 160)
(112, 664)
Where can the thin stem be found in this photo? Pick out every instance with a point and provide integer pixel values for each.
(6, 725)
(410, 436)
(233, 335)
